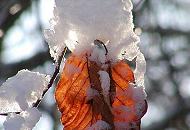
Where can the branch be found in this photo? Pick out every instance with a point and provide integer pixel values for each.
(57, 68)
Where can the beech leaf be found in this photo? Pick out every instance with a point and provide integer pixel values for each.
(119, 106)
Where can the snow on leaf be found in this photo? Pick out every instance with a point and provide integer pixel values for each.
(71, 69)
(119, 125)
(78, 110)
(98, 55)
(22, 90)
(91, 93)
(105, 82)
(126, 94)
(76, 24)
(97, 93)
(140, 69)
(100, 125)
(26, 120)
(88, 95)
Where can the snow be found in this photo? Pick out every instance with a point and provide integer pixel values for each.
(90, 93)
(55, 47)
(125, 111)
(100, 125)
(22, 90)
(76, 24)
(121, 125)
(130, 51)
(140, 69)
(138, 92)
(26, 120)
(13, 122)
(125, 126)
(98, 55)
(72, 69)
(135, 93)
(105, 82)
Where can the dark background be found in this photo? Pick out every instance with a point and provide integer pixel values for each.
(165, 42)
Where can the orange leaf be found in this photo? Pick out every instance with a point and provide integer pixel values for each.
(124, 104)
(79, 112)
(70, 94)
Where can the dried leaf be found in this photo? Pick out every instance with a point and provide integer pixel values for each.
(70, 95)
(79, 113)
(125, 105)
(99, 105)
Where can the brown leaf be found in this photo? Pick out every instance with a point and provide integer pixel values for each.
(122, 75)
(99, 105)
(70, 94)
(78, 112)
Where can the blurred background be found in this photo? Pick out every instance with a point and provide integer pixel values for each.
(165, 41)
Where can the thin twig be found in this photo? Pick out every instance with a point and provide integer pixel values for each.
(98, 43)
(57, 68)
(58, 63)
(6, 114)
(138, 4)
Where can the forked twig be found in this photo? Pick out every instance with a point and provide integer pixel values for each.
(56, 71)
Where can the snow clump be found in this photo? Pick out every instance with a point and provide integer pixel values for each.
(26, 120)
(100, 125)
(77, 23)
(22, 90)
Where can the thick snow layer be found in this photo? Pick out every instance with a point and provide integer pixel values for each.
(100, 125)
(98, 55)
(26, 120)
(22, 90)
(77, 23)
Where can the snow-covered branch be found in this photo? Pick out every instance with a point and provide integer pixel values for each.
(21, 94)
(100, 35)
